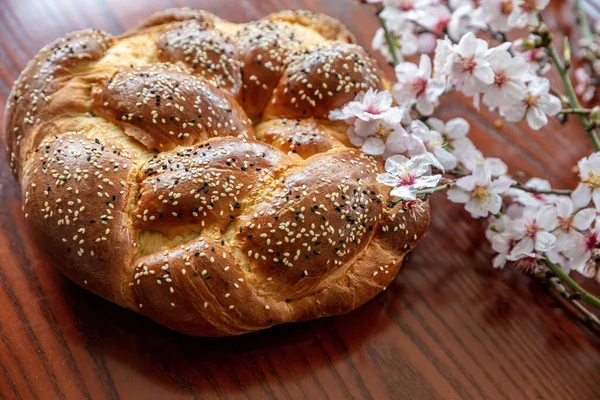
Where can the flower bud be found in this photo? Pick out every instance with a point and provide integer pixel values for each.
(595, 115)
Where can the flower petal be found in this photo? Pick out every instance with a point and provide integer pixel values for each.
(584, 218)
(374, 146)
(596, 198)
(457, 195)
(544, 241)
(546, 217)
(582, 195)
(404, 192)
(523, 247)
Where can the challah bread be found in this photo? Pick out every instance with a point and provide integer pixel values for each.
(186, 170)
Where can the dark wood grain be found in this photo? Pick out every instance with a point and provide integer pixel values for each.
(449, 327)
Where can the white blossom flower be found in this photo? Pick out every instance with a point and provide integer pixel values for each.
(535, 105)
(530, 199)
(470, 157)
(396, 142)
(501, 242)
(537, 58)
(397, 19)
(427, 42)
(416, 86)
(467, 67)
(444, 53)
(454, 130)
(408, 175)
(496, 13)
(532, 231)
(406, 5)
(579, 248)
(455, 134)
(570, 242)
(479, 192)
(435, 18)
(376, 136)
(465, 18)
(510, 75)
(373, 123)
(368, 106)
(425, 140)
(589, 187)
(525, 12)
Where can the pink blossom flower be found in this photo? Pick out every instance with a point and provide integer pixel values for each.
(368, 106)
(589, 187)
(425, 140)
(408, 175)
(479, 192)
(510, 77)
(416, 86)
(468, 67)
(532, 231)
(580, 248)
(525, 12)
(529, 199)
(535, 105)
(496, 13)
(465, 18)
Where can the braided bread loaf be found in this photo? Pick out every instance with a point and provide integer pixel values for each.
(186, 170)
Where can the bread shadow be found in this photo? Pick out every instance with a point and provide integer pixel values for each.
(269, 361)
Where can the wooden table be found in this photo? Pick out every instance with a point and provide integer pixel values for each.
(450, 326)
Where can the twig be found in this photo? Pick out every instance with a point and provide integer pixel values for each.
(560, 192)
(390, 41)
(567, 280)
(583, 111)
(586, 315)
(573, 101)
(436, 189)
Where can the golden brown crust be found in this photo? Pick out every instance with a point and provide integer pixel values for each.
(76, 191)
(305, 137)
(164, 107)
(316, 220)
(207, 185)
(142, 177)
(322, 78)
(329, 28)
(206, 51)
(264, 48)
(44, 75)
(177, 14)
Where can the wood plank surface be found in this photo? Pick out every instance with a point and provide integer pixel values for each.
(449, 327)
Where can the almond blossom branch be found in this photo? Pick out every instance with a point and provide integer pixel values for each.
(518, 185)
(581, 292)
(390, 41)
(574, 102)
(436, 189)
(583, 111)
(572, 299)
(559, 192)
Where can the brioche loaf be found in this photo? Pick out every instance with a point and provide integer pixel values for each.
(186, 170)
